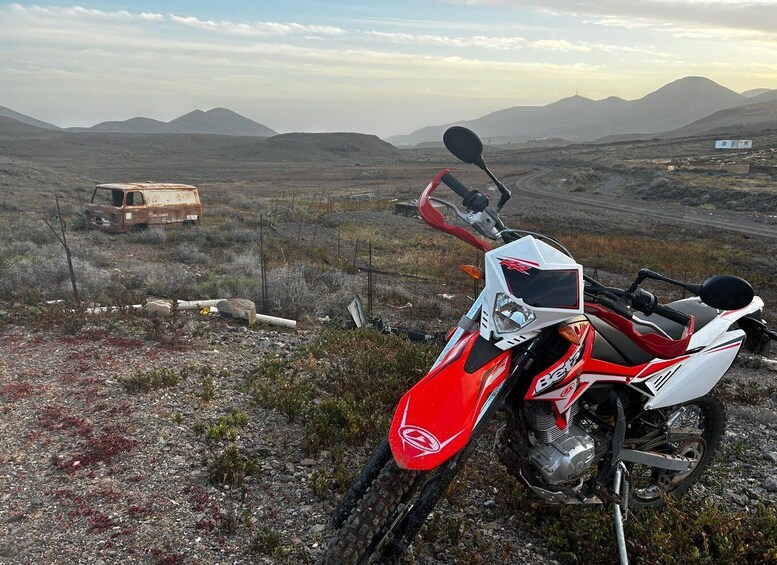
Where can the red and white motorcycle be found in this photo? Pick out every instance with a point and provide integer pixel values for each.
(607, 395)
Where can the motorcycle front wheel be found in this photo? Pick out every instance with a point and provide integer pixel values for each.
(692, 429)
(370, 524)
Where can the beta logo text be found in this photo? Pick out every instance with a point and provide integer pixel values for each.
(558, 373)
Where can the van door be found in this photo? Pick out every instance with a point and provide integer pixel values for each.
(135, 211)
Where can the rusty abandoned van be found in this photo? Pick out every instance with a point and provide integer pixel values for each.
(124, 207)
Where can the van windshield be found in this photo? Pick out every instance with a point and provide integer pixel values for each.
(108, 197)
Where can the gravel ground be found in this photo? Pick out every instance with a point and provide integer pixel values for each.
(93, 474)
(90, 473)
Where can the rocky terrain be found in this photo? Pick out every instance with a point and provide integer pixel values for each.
(93, 471)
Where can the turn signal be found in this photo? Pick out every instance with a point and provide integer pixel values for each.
(573, 332)
(473, 271)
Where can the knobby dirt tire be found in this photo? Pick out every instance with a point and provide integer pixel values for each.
(369, 520)
(712, 414)
(362, 482)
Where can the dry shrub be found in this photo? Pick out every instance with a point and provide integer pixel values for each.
(301, 290)
(43, 268)
(152, 236)
(248, 263)
(190, 254)
(162, 279)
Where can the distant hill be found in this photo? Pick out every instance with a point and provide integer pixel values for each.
(106, 150)
(754, 92)
(316, 147)
(11, 127)
(133, 125)
(768, 96)
(219, 121)
(580, 119)
(744, 120)
(8, 113)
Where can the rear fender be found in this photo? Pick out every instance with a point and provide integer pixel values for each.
(435, 418)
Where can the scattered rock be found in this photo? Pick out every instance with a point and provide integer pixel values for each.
(238, 308)
(158, 307)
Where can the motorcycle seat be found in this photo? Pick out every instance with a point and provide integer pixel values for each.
(614, 347)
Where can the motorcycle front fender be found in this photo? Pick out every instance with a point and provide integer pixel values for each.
(435, 419)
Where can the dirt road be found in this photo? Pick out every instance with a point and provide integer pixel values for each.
(531, 185)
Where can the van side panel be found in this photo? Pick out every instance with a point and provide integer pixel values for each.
(160, 205)
(172, 206)
(170, 197)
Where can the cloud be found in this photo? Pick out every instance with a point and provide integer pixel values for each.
(256, 28)
(81, 14)
(512, 43)
(751, 15)
(79, 11)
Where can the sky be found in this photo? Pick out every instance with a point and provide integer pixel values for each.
(380, 67)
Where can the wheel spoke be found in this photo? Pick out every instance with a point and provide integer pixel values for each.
(691, 430)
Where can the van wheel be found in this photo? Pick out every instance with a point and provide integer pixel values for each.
(140, 227)
(188, 223)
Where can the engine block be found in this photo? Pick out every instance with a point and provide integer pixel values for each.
(559, 456)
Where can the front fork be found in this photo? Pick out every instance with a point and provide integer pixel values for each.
(434, 487)
(465, 325)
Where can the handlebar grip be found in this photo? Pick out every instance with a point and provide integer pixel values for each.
(674, 315)
(455, 185)
(472, 199)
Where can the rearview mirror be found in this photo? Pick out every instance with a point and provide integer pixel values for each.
(726, 292)
(464, 144)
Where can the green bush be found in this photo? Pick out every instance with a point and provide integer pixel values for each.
(153, 379)
(230, 467)
(344, 386)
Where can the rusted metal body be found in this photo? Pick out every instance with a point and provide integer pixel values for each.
(124, 207)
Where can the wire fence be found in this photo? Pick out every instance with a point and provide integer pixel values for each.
(295, 226)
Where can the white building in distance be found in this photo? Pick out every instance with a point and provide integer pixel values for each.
(734, 144)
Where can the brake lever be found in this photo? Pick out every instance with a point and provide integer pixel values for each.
(450, 205)
(483, 222)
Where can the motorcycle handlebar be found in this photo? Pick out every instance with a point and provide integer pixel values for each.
(671, 314)
(647, 303)
(471, 199)
(455, 185)
(644, 302)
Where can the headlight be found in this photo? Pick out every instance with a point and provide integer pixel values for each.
(509, 316)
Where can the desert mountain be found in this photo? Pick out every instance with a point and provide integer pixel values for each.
(578, 119)
(133, 125)
(316, 147)
(8, 113)
(105, 150)
(218, 121)
(768, 96)
(732, 122)
(754, 92)
(10, 128)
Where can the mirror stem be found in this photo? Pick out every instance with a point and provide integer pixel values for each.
(506, 194)
(647, 274)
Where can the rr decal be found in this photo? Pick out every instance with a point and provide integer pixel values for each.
(521, 265)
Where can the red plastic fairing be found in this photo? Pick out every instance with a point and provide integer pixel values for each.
(432, 216)
(435, 419)
(655, 344)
